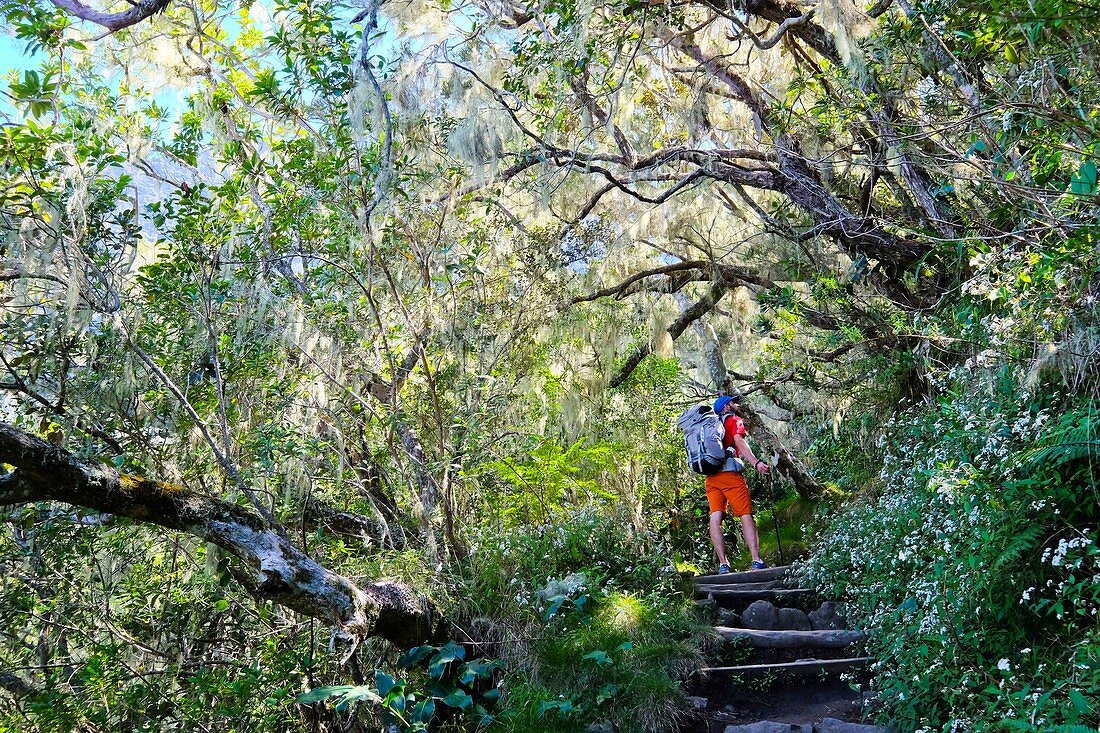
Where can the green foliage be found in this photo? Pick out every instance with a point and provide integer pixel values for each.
(452, 685)
(553, 478)
(977, 566)
(607, 635)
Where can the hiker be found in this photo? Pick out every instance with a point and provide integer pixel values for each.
(729, 487)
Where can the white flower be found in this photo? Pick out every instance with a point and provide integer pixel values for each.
(1004, 666)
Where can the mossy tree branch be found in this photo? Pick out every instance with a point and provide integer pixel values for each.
(138, 12)
(273, 569)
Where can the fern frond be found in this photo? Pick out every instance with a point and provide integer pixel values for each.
(1074, 438)
(1025, 539)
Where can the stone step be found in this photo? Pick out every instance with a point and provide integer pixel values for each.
(765, 585)
(748, 576)
(802, 667)
(763, 726)
(832, 725)
(828, 725)
(834, 639)
(775, 595)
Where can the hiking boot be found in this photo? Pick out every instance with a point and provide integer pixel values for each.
(759, 565)
(723, 568)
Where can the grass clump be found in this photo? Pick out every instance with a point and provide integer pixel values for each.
(590, 620)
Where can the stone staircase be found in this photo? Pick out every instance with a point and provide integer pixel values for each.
(784, 649)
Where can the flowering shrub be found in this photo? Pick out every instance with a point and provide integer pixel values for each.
(978, 568)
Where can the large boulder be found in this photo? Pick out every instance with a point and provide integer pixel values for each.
(760, 615)
(761, 727)
(793, 619)
(828, 616)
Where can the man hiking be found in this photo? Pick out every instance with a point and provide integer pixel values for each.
(729, 487)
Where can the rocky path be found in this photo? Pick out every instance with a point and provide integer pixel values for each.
(783, 655)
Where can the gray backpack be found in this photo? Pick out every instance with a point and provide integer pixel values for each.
(703, 433)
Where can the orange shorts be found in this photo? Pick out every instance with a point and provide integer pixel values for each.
(728, 487)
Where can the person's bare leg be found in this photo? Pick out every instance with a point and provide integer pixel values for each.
(716, 537)
(752, 539)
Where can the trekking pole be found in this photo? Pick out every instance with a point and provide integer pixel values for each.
(771, 498)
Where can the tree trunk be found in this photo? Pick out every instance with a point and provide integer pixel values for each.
(273, 568)
(788, 465)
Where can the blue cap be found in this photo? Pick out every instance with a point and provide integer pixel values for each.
(721, 402)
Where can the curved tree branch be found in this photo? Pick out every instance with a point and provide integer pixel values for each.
(696, 311)
(113, 21)
(790, 18)
(696, 269)
(766, 43)
(797, 180)
(273, 569)
(15, 685)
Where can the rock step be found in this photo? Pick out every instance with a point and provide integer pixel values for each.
(748, 576)
(802, 667)
(766, 585)
(832, 725)
(722, 592)
(828, 725)
(833, 639)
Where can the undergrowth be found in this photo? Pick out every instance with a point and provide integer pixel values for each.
(589, 618)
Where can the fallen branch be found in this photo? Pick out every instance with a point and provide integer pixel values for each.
(272, 569)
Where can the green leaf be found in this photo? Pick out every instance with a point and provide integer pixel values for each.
(415, 655)
(384, 683)
(599, 657)
(452, 652)
(606, 693)
(563, 707)
(396, 701)
(423, 711)
(1080, 702)
(317, 694)
(1084, 181)
(554, 607)
(458, 699)
(478, 669)
(361, 692)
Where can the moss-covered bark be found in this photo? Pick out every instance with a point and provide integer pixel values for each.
(273, 568)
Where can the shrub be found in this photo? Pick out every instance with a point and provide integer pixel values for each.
(978, 568)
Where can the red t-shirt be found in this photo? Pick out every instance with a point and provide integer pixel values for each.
(734, 426)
